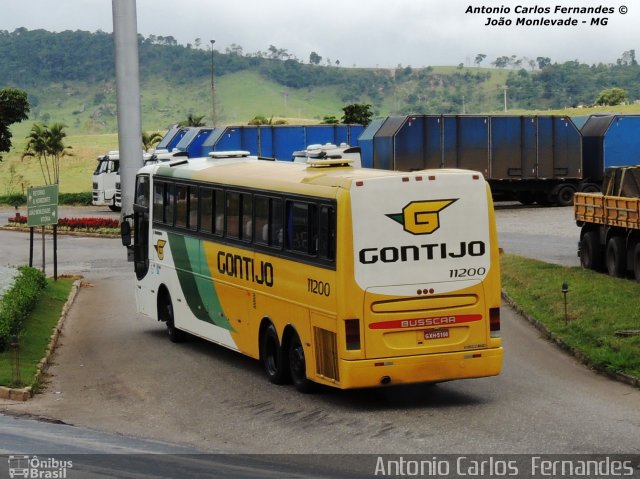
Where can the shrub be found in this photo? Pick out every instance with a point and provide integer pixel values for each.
(82, 199)
(18, 302)
(14, 199)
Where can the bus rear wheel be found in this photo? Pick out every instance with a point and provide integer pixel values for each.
(298, 365)
(272, 357)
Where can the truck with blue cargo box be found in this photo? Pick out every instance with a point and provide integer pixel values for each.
(543, 158)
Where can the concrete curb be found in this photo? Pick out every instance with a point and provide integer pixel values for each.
(23, 394)
(554, 338)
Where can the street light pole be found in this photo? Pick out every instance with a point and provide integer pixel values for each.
(505, 87)
(213, 89)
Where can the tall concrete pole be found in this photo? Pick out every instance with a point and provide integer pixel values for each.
(125, 35)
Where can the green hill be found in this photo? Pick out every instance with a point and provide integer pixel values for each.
(70, 78)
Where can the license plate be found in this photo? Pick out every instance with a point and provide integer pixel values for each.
(436, 334)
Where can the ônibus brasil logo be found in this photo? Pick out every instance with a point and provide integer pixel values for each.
(421, 217)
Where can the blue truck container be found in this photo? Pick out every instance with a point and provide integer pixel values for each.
(192, 141)
(531, 158)
(278, 141)
(171, 138)
(610, 140)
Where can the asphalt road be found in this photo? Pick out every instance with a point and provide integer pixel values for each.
(117, 372)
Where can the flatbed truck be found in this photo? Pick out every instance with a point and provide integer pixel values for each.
(610, 224)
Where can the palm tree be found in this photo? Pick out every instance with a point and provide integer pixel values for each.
(46, 143)
(56, 147)
(192, 121)
(37, 148)
(150, 139)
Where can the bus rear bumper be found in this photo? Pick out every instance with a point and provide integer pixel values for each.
(419, 369)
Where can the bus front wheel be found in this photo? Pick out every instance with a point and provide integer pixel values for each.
(272, 357)
(165, 313)
(298, 365)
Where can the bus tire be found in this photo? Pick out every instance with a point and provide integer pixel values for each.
(272, 357)
(114, 208)
(298, 365)
(165, 313)
(590, 256)
(616, 257)
(635, 261)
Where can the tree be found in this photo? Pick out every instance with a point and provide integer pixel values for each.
(357, 113)
(14, 108)
(330, 120)
(46, 143)
(612, 97)
(150, 139)
(543, 62)
(501, 62)
(314, 58)
(479, 59)
(262, 120)
(192, 121)
(628, 58)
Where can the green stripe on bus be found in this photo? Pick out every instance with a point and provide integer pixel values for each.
(195, 281)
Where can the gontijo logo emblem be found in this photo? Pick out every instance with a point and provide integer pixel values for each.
(159, 247)
(421, 217)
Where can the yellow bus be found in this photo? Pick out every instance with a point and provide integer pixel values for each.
(329, 274)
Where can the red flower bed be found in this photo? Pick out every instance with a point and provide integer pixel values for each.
(76, 223)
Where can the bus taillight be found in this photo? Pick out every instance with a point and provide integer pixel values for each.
(494, 322)
(352, 333)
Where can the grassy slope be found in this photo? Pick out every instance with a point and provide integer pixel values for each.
(240, 97)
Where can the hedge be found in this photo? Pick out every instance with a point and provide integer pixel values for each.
(18, 199)
(18, 302)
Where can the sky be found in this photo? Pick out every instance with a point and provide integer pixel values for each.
(363, 33)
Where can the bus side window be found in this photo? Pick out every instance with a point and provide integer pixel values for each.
(169, 203)
(262, 219)
(193, 208)
(276, 224)
(158, 201)
(218, 212)
(247, 217)
(182, 205)
(206, 210)
(233, 215)
(302, 228)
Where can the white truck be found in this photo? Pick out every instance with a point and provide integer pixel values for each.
(106, 180)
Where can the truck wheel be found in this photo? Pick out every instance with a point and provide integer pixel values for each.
(590, 188)
(564, 195)
(635, 261)
(590, 256)
(616, 257)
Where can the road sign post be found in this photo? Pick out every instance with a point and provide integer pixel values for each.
(42, 210)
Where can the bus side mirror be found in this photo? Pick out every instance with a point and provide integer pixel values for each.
(125, 233)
